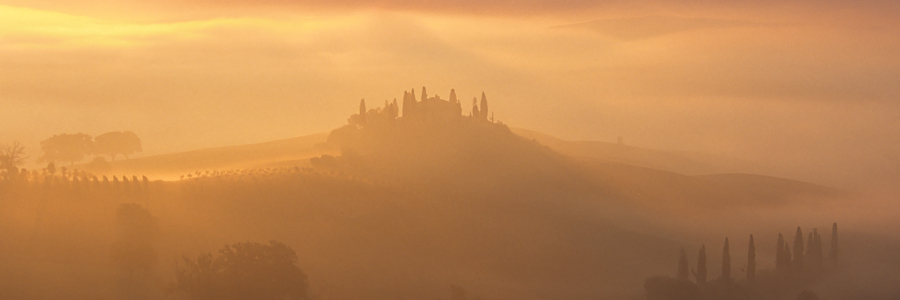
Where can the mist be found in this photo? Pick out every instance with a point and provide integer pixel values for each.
(651, 126)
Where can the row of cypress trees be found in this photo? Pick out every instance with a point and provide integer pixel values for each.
(785, 260)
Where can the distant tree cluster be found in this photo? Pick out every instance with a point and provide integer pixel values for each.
(116, 143)
(794, 270)
(74, 147)
(243, 271)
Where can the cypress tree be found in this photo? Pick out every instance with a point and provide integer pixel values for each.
(726, 262)
(817, 249)
(751, 261)
(475, 108)
(409, 104)
(798, 250)
(453, 99)
(700, 274)
(834, 243)
(362, 112)
(424, 94)
(394, 110)
(683, 266)
(810, 245)
(406, 104)
(484, 107)
(814, 250)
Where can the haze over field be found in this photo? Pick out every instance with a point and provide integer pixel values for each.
(605, 145)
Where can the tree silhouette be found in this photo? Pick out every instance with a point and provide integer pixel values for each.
(11, 157)
(393, 113)
(117, 142)
(475, 112)
(834, 243)
(453, 99)
(814, 250)
(726, 262)
(51, 168)
(409, 104)
(683, 266)
(243, 271)
(818, 254)
(66, 147)
(362, 112)
(751, 261)
(483, 111)
(700, 273)
(424, 94)
(798, 250)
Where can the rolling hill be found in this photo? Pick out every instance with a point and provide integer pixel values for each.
(409, 207)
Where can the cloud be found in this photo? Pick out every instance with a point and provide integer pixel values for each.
(581, 9)
(653, 26)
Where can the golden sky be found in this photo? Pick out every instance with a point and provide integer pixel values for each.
(812, 83)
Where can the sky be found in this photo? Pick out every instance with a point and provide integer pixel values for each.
(813, 86)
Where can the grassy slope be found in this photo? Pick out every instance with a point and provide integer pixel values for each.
(292, 151)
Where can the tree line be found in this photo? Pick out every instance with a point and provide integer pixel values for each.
(71, 148)
(74, 147)
(793, 270)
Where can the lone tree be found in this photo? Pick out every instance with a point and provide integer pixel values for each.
(798, 250)
(700, 273)
(66, 147)
(243, 271)
(362, 112)
(834, 243)
(483, 112)
(453, 99)
(751, 261)
(11, 157)
(117, 142)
